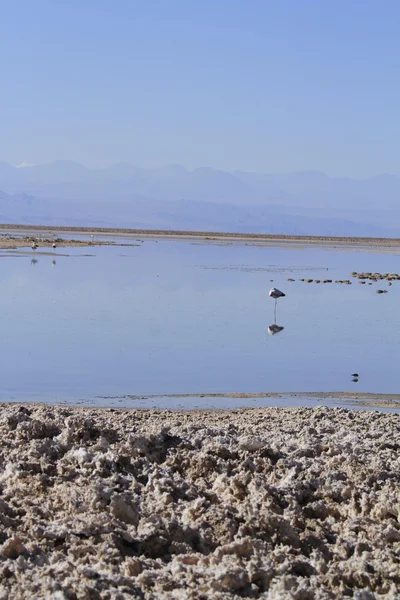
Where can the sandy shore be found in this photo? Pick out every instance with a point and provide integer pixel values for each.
(352, 399)
(261, 503)
(45, 240)
(255, 238)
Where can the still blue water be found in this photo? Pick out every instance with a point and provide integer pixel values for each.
(169, 317)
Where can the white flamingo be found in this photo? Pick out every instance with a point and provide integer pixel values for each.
(275, 294)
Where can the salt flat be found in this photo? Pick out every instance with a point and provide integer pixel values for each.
(263, 503)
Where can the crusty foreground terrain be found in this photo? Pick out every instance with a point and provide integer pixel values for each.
(262, 503)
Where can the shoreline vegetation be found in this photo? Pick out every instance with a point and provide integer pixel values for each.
(256, 503)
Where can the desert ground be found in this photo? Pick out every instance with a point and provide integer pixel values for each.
(253, 503)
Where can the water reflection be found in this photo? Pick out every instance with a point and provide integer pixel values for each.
(34, 261)
(274, 329)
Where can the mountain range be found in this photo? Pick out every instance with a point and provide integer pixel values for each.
(172, 197)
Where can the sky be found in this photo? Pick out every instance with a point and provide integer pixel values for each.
(260, 85)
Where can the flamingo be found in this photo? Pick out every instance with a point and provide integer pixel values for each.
(275, 294)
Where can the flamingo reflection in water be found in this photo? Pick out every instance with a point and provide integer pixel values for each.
(274, 329)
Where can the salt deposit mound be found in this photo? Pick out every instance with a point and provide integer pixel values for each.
(263, 503)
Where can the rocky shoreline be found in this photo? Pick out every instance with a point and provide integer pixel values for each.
(268, 503)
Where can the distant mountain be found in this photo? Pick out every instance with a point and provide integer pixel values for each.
(204, 198)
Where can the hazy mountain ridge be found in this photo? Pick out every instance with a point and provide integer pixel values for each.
(171, 197)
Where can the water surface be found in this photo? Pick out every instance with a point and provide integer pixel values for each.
(177, 317)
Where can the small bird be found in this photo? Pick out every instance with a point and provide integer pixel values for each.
(34, 245)
(354, 374)
(54, 245)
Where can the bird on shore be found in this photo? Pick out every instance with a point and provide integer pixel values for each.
(34, 245)
(54, 245)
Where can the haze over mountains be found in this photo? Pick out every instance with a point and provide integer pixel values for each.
(172, 197)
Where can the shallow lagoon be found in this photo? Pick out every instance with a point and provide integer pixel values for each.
(183, 317)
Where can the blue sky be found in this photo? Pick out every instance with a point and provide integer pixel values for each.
(260, 85)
